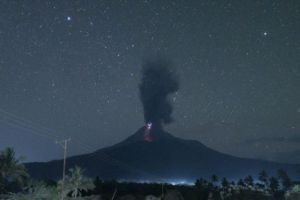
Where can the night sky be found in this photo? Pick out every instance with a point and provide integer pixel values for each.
(72, 69)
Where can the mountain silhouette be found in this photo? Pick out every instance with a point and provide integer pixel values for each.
(152, 154)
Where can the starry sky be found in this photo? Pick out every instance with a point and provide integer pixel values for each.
(72, 69)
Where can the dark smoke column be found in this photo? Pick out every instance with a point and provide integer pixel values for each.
(158, 81)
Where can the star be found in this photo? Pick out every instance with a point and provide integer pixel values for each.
(265, 33)
(69, 18)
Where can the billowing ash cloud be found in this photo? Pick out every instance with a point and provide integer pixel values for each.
(158, 81)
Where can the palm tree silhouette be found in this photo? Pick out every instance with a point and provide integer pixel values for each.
(13, 173)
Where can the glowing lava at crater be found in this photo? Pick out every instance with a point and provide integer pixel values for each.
(147, 135)
(148, 126)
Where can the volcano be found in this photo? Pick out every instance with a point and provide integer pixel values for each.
(151, 153)
(159, 157)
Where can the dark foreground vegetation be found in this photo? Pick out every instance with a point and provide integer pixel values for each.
(15, 184)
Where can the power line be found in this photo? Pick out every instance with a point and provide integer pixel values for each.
(26, 124)
(15, 124)
(37, 129)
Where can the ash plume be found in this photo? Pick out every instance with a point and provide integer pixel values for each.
(158, 81)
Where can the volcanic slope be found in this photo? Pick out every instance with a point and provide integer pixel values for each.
(163, 157)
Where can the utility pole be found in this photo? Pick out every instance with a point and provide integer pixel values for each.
(64, 145)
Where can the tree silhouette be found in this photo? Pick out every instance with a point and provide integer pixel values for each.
(13, 174)
(98, 185)
(274, 184)
(241, 183)
(214, 178)
(200, 182)
(284, 178)
(249, 180)
(263, 177)
(76, 182)
(224, 182)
